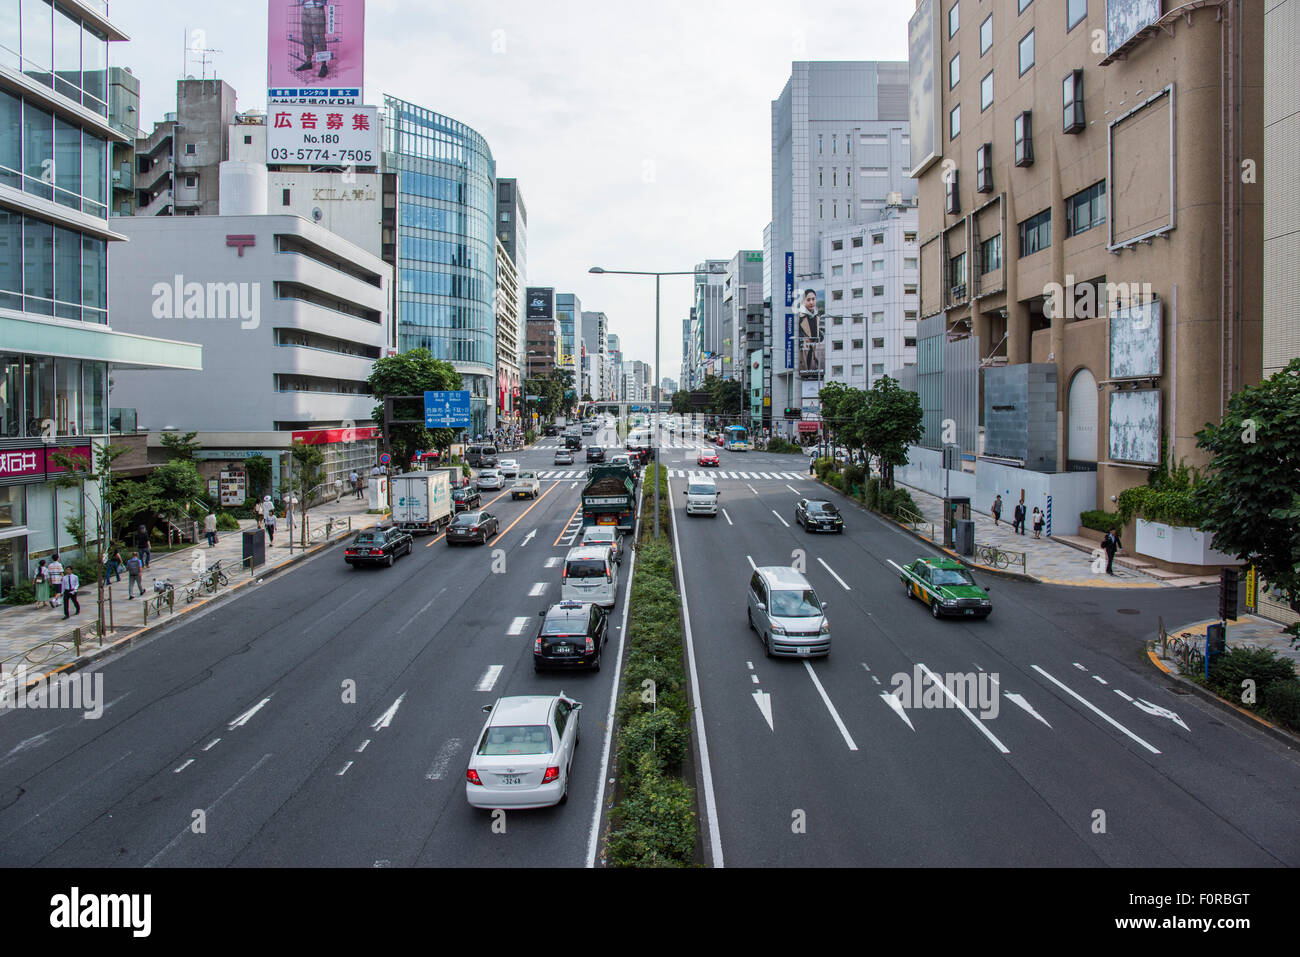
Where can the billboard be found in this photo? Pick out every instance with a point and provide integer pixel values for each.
(1135, 426)
(1126, 17)
(337, 136)
(540, 302)
(808, 321)
(446, 410)
(923, 100)
(316, 49)
(1136, 340)
(789, 314)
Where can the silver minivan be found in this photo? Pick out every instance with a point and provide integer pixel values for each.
(785, 611)
(590, 574)
(701, 497)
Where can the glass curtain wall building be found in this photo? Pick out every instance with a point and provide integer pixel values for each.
(446, 245)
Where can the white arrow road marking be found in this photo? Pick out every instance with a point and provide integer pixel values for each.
(243, 718)
(438, 769)
(1122, 694)
(1098, 711)
(836, 577)
(528, 538)
(764, 702)
(964, 710)
(894, 702)
(780, 519)
(385, 719)
(518, 625)
(830, 707)
(1019, 700)
(489, 678)
(1159, 712)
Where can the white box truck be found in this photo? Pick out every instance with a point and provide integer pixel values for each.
(422, 502)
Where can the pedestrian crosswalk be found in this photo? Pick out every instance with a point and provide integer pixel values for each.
(560, 475)
(667, 443)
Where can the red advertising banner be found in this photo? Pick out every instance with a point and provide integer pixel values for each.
(20, 463)
(81, 452)
(809, 426)
(330, 436)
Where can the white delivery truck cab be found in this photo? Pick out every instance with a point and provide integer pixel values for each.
(422, 502)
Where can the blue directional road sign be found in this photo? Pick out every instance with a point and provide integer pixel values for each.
(446, 410)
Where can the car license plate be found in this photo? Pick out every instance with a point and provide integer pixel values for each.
(804, 650)
(510, 779)
(563, 649)
(970, 611)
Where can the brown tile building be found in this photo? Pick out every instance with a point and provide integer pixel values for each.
(1089, 174)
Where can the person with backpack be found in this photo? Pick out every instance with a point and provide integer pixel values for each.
(134, 571)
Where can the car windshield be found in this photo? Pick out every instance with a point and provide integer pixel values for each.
(370, 538)
(467, 518)
(460, 493)
(599, 537)
(527, 475)
(802, 603)
(952, 576)
(698, 489)
(585, 568)
(516, 739)
(566, 624)
(824, 507)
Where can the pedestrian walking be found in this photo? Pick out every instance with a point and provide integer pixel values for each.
(996, 510)
(134, 573)
(70, 585)
(1039, 520)
(113, 567)
(1110, 545)
(54, 572)
(1019, 518)
(142, 543)
(257, 510)
(42, 583)
(270, 526)
(210, 528)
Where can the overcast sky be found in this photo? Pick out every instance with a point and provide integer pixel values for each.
(640, 133)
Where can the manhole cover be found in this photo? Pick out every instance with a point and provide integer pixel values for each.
(1128, 611)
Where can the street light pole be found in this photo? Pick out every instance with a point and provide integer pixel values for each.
(656, 408)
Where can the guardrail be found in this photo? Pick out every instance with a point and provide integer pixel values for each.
(915, 521)
(51, 647)
(322, 533)
(995, 557)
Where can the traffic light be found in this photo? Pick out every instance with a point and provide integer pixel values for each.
(1227, 594)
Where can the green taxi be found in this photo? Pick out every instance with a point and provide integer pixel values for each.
(947, 587)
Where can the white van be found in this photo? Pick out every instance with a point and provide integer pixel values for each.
(701, 497)
(590, 574)
(785, 611)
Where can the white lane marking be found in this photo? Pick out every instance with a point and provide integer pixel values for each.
(896, 565)
(964, 710)
(752, 489)
(211, 744)
(344, 769)
(750, 559)
(518, 625)
(1122, 694)
(764, 702)
(836, 577)
(416, 616)
(528, 538)
(754, 678)
(749, 665)
(1021, 702)
(574, 485)
(1099, 678)
(1080, 667)
(207, 810)
(183, 766)
(1159, 712)
(364, 744)
(1093, 707)
(385, 719)
(727, 517)
(243, 718)
(593, 834)
(552, 563)
(780, 519)
(793, 489)
(489, 678)
(830, 707)
(706, 766)
(897, 705)
(538, 589)
(442, 759)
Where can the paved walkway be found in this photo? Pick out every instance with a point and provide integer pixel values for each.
(1049, 561)
(1249, 631)
(24, 631)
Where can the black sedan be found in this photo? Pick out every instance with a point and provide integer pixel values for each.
(378, 546)
(472, 527)
(572, 635)
(466, 497)
(818, 516)
(595, 454)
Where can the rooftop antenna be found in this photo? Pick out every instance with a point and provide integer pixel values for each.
(196, 48)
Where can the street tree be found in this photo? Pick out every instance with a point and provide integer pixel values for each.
(181, 446)
(412, 373)
(891, 421)
(308, 475)
(79, 470)
(1250, 494)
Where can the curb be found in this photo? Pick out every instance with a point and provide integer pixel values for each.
(145, 631)
(1243, 716)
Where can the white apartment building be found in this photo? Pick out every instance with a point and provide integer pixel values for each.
(872, 272)
(508, 311)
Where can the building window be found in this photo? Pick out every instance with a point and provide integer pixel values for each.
(877, 318)
(909, 342)
(857, 318)
(909, 317)
(837, 345)
(819, 177)
(835, 209)
(878, 343)
(1024, 4)
(1025, 139)
(837, 370)
(835, 143)
(1036, 233)
(837, 295)
(857, 269)
(821, 209)
(986, 91)
(819, 144)
(837, 320)
(835, 176)
(877, 368)
(877, 291)
(505, 217)
(877, 239)
(857, 242)
(1026, 52)
(909, 262)
(284, 197)
(857, 371)
(877, 266)
(857, 343)
(1075, 10)
(957, 273)
(857, 293)
(984, 169)
(848, 176)
(909, 289)
(952, 200)
(991, 253)
(837, 244)
(191, 182)
(1072, 102)
(954, 122)
(986, 34)
(954, 71)
(189, 149)
(909, 237)
(248, 141)
(837, 270)
(953, 21)
(1085, 209)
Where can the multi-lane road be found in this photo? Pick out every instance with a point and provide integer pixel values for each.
(325, 717)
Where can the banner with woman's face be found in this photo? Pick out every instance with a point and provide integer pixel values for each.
(809, 307)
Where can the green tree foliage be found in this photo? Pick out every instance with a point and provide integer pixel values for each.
(258, 468)
(681, 402)
(307, 475)
(881, 422)
(180, 446)
(1250, 497)
(412, 373)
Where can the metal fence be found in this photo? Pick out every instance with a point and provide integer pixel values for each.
(51, 648)
(994, 557)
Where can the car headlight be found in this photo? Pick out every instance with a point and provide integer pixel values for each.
(826, 627)
(777, 630)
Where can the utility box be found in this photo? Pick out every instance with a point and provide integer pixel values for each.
(254, 548)
(954, 508)
(965, 542)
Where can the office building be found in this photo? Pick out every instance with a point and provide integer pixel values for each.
(512, 230)
(568, 312)
(508, 311)
(595, 328)
(711, 348)
(178, 163)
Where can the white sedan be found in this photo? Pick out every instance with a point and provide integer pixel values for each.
(509, 468)
(523, 756)
(490, 479)
(526, 486)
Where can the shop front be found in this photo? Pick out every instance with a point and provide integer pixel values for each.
(34, 509)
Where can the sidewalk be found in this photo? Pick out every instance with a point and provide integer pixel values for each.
(1249, 631)
(24, 628)
(1049, 561)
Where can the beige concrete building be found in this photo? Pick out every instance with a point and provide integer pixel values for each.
(1090, 197)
